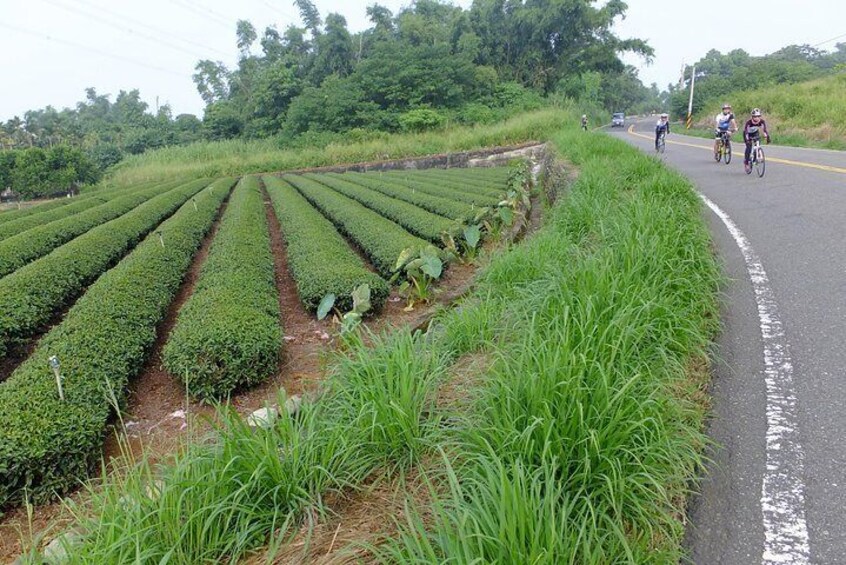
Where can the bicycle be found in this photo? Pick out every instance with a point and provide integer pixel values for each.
(661, 143)
(756, 159)
(724, 148)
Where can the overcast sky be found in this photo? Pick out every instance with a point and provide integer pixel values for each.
(51, 50)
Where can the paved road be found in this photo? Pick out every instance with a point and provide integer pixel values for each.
(776, 488)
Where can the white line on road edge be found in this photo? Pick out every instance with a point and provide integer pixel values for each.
(783, 488)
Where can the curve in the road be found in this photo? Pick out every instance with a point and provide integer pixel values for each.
(750, 509)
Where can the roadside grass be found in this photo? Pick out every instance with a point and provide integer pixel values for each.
(581, 440)
(261, 156)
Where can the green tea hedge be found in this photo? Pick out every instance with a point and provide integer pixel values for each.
(43, 214)
(439, 188)
(415, 219)
(33, 293)
(18, 250)
(228, 334)
(439, 205)
(46, 444)
(319, 259)
(381, 239)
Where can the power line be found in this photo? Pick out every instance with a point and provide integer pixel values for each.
(102, 20)
(91, 49)
(829, 40)
(153, 29)
(205, 13)
(273, 8)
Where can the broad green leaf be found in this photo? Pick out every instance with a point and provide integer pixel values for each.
(361, 299)
(472, 235)
(507, 215)
(325, 306)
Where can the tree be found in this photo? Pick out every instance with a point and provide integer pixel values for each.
(212, 80)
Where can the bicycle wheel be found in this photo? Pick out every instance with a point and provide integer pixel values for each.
(727, 154)
(760, 163)
(661, 144)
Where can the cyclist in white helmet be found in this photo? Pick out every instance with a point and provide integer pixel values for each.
(663, 125)
(752, 131)
(725, 123)
(584, 122)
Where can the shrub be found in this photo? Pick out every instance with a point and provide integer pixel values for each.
(319, 259)
(47, 445)
(228, 334)
(381, 239)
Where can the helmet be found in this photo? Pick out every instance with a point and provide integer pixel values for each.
(756, 113)
(664, 115)
(584, 116)
(726, 106)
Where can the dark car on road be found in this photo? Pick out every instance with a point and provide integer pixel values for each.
(618, 119)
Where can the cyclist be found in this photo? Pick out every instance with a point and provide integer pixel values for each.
(726, 123)
(584, 122)
(752, 133)
(663, 125)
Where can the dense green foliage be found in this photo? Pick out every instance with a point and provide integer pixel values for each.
(428, 185)
(23, 211)
(18, 250)
(582, 433)
(718, 75)
(33, 293)
(467, 180)
(430, 63)
(416, 220)
(379, 238)
(36, 172)
(228, 334)
(105, 130)
(48, 444)
(382, 183)
(319, 259)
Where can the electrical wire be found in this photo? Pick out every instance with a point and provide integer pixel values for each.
(91, 49)
(153, 29)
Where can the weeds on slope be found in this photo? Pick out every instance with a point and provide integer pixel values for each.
(580, 447)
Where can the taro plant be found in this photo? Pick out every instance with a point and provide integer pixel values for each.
(349, 321)
(517, 200)
(420, 268)
(466, 243)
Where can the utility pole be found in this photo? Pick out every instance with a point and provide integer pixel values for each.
(690, 102)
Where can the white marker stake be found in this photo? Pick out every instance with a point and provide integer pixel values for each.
(783, 488)
(54, 364)
(161, 237)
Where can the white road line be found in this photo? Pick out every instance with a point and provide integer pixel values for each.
(783, 488)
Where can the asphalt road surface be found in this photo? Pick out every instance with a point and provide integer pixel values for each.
(775, 490)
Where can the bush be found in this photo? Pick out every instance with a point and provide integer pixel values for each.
(438, 205)
(17, 251)
(31, 295)
(421, 119)
(319, 259)
(381, 239)
(47, 445)
(228, 334)
(416, 220)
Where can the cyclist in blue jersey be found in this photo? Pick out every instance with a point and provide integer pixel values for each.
(663, 126)
(725, 123)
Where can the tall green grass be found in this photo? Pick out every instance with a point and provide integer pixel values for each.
(810, 113)
(580, 441)
(259, 156)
